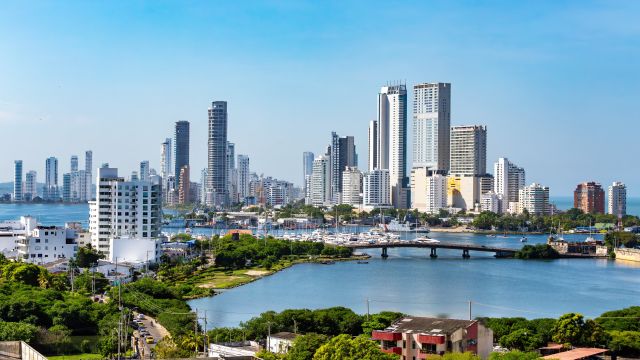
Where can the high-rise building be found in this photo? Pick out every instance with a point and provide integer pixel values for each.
(181, 150)
(321, 181)
(165, 159)
(203, 186)
(74, 163)
(589, 197)
(373, 145)
(307, 168)
(508, 179)
(376, 189)
(17, 181)
(51, 180)
(343, 154)
(144, 170)
(468, 150)
(617, 199)
(351, 186)
(392, 140)
(463, 192)
(31, 186)
(431, 125)
(131, 209)
(428, 190)
(67, 187)
(232, 175)
(243, 176)
(184, 190)
(534, 199)
(217, 154)
(88, 168)
(490, 202)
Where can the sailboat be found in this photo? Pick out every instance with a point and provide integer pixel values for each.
(590, 238)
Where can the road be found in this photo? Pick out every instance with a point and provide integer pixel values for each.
(156, 330)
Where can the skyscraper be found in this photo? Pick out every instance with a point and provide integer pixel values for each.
(373, 145)
(508, 180)
(307, 168)
(51, 180)
(392, 140)
(217, 154)
(589, 197)
(617, 199)
(428, 190)
(243, 176)
(17, 181)
(144, 170)
(431, 125)
(468, 150)
(232, 178)
(321, 181)
(375, 189)
(184, 190)
(351, 186)
(88, 168)
(181, 142)
(74, 163)
(165, 159)
(534, 199)
(67, 187)
(343, 154)
(31, 186)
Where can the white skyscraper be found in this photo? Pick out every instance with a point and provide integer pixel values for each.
(243, 176)
(232, 175)
(468, 150)
(428, 190)
(144, 170)
(17, 181)
(131, 209)
(431, 125)
(508, 179)
(392, 140)
(617, 199)
(31, 185)
(74, 163)
(166, 167)
(51, 192)
(88, 168)
(351, 186)
(373, 145)
(321, 181)
(534, 199)
(376, 189)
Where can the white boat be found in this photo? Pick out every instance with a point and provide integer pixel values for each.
(396, 226)
(523, 239)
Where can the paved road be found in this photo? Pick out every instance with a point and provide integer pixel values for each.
(156, 330)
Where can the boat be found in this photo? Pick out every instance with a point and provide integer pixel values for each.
(396, 226)
(329, 262)
(363, 262)
(523, 239)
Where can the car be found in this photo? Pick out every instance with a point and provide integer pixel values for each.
(150, 339)
(140, 317)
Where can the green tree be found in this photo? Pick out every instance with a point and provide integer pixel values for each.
(343, 347)
(87, 257)
(569, 330)
(13, 331)
(514, 355)
(522, 339)
(305, 346)
(626, 343)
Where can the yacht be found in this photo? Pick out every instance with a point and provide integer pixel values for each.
(396, 226)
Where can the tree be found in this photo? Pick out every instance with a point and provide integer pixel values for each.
(522, 339)
(87, 257)
(569, 329)
(304, 346)
(14, 331)
(514, 355)
(626, 343)
(343, 347)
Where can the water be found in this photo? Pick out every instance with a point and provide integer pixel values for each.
(47, 214)
(566, 203)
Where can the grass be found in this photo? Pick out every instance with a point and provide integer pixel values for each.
(76, 357)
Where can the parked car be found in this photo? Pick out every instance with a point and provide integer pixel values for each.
(150, 340)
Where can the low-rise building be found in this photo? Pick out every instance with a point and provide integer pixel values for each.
(46, 244)
(418, 337)
(281, 342)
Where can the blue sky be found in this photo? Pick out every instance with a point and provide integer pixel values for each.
(555, 81)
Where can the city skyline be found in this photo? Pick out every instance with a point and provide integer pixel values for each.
(511, 75)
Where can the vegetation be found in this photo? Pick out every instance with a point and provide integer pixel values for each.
(87, 257)
(344, 347)
(538, 251)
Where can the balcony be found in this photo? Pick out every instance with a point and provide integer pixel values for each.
(392, 350)
(431, 339)
(386, 335)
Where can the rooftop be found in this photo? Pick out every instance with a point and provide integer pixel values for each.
(576, 354)
(428, 325)
(284, 335)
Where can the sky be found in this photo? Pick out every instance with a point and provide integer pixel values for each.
(557, 83)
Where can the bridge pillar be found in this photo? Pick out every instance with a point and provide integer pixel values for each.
(433, 254)
(465, 254)
(384, 252)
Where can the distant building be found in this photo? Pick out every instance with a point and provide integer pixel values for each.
(417, 337)
(31, 185)
(181, 149)
(508, 179)
(373, 146)
(17, 181)
(232, 174)
(463, 192)
(243, 177)
(321, 181)
(432, 126)
(46, 244)
(468, 150)
(184, 190)
(375, 189)
(428, 190)
(351, 187)
(490, 202)
(534, 199)
(144, 170)
(66, 187)
(343, 154)
(217, 157)
(589, 197)
(51, 180)
(307, 167)
(617, 199)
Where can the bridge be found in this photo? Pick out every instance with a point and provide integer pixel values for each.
(433, 246)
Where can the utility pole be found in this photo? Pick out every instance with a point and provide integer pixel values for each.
(196, 331)
(269, 336)
(204, 337)
(367, 309)
(469, 309)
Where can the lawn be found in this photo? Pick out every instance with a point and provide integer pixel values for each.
(76, 357)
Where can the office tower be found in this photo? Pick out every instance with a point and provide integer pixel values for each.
(165, 159)
(343, 154)
(508, 179)
(307, 168)
(392, 140)
(351, 186)
(617, 199)
(321, 181)
(589, 197)
(31, 186)
(232, 178)
(74, 163)
(431, 125)
(184, 190)
(130, 209)
(51, 180)
(144, 170)
(217, 154)
(181, 150)
(243, 176)
(428, 190)
(66, 187)
(468, 150)
(534, 199)
(376, 189)
(373, 145)
(17, 181)
(88, 168)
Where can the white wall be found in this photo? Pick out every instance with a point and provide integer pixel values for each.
(134, 250)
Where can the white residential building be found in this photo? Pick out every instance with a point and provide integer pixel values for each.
(431, 125)
(351, 187)
(17, 181)
(490, 202)
(321, 181)
(428, 190)
(375, 189)
(617, 199)
(124, 208)
(144, 170)
(534, 199)
(468, 150)
(51, 192)
(508, 179)
(11, 229)
(373, 145)
(45, 244)
(31, 185)
(243, 176)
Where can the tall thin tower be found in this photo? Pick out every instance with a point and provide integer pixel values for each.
(181, 141)
(432, 125)
(217, 154)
